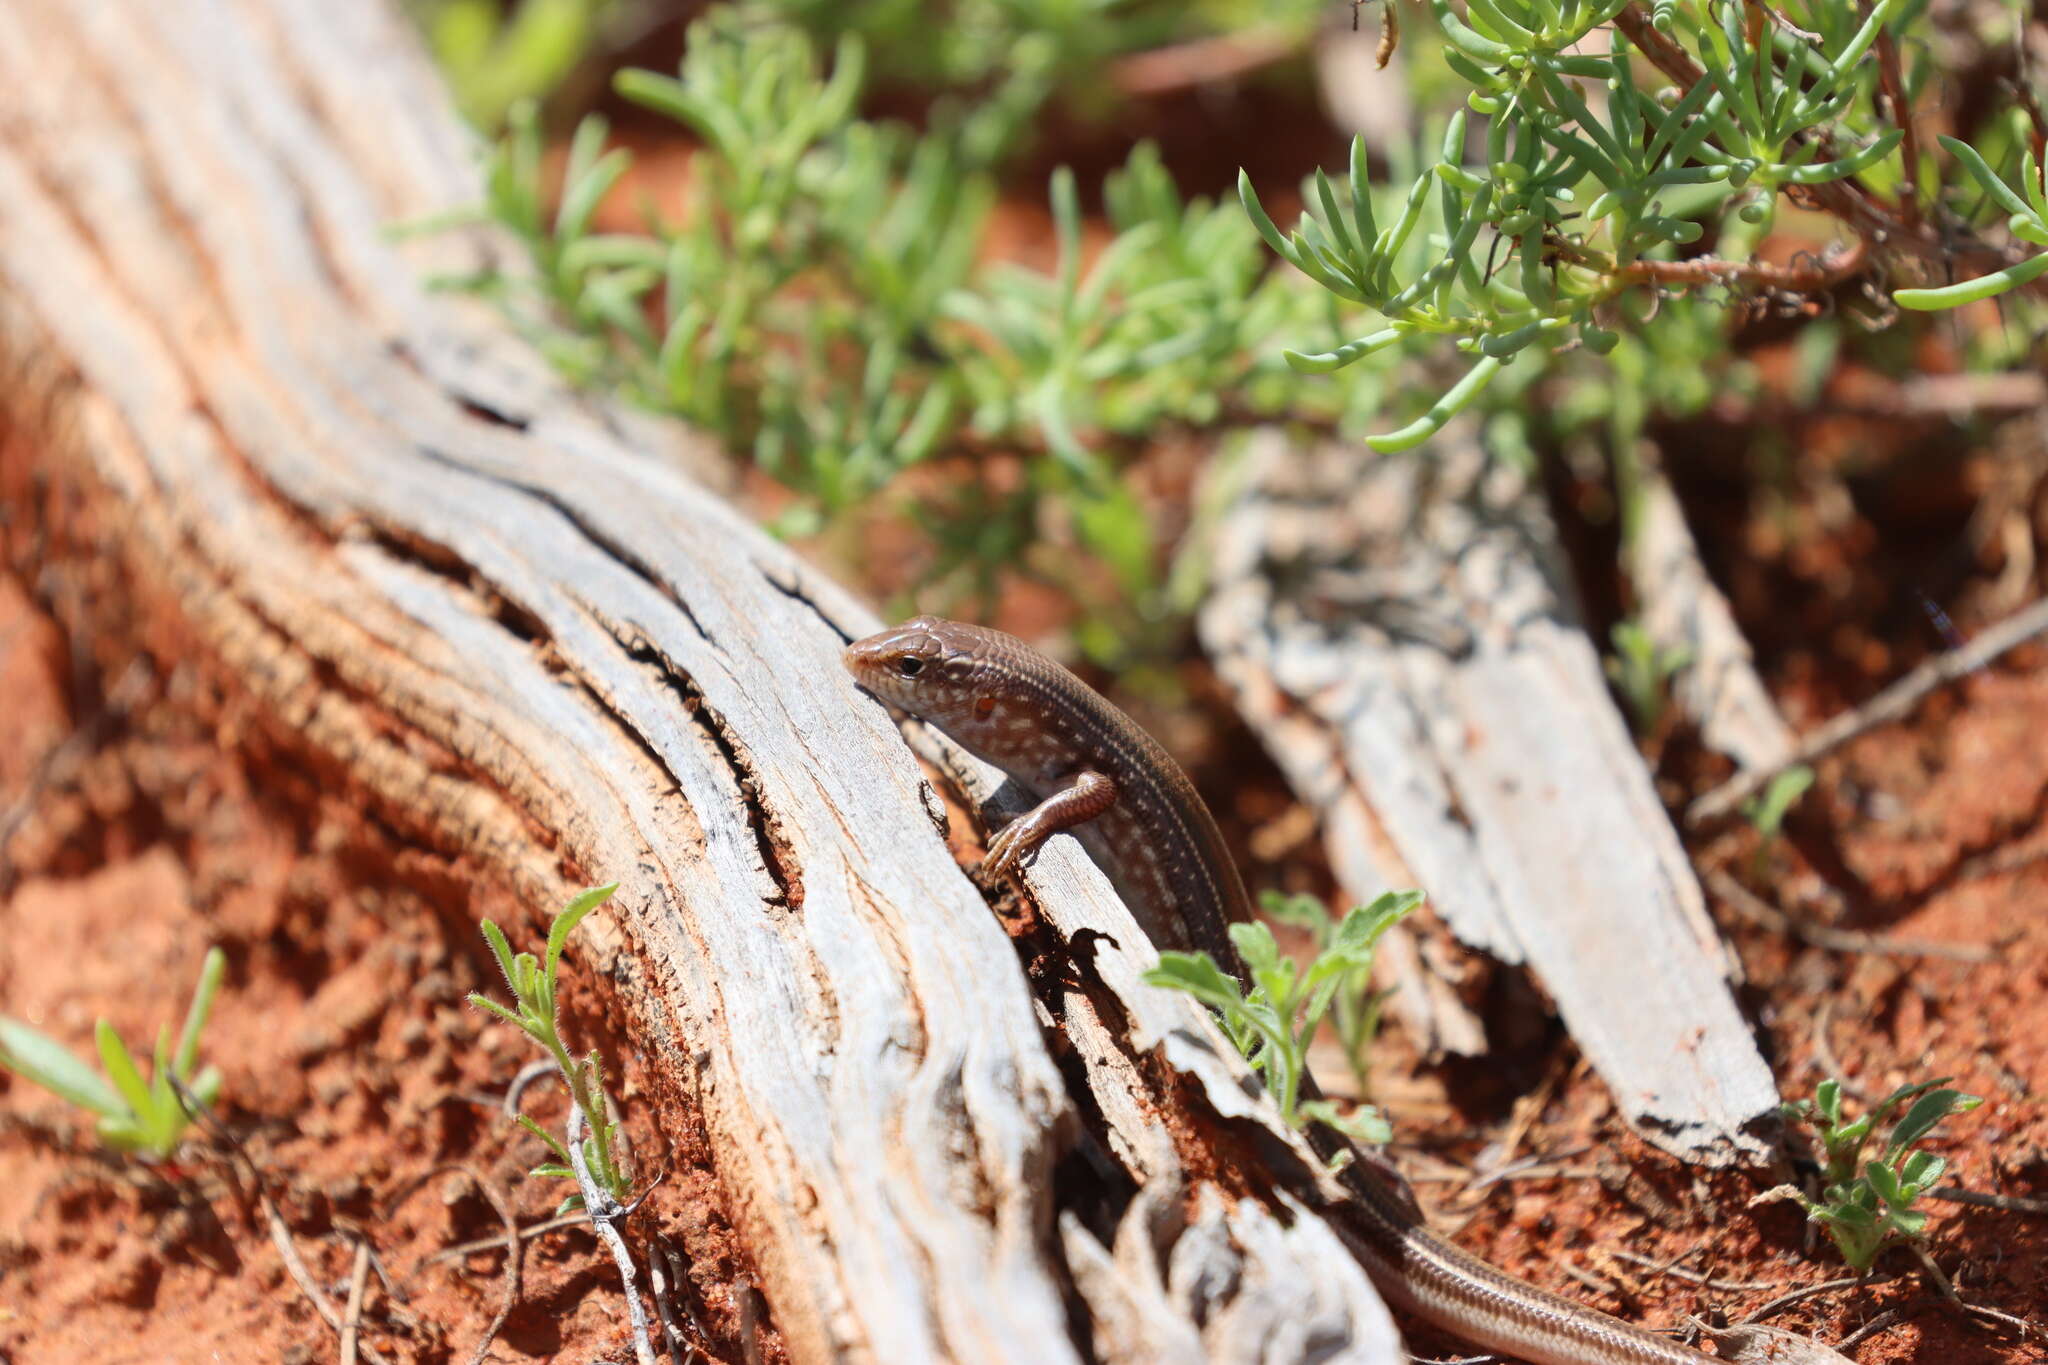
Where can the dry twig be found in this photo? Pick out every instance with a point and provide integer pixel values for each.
(280, 1232)
(528, 1074)
(1893, 83)
(1975, 1310)
(1201, 61)
(679, 1350)
(352, 1315)
(522, 1234)
(1830, 1065)
(1678, 1272)
(512, 1241)
(602, 1208)
(2009, 1203)
(1784, 1301)
(1756, 909)
(1869, 1329)
(1894, 703)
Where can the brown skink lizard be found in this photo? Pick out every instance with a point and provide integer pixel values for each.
(1090, 767)
(1095, 772)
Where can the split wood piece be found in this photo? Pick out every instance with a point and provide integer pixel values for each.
(484, 611)
(1681, 609)
(1396, 631)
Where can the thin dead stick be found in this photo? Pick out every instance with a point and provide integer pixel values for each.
(753, 1308)
(1590, 1280)
(281, 1238)
(528, 1074)
(1869, 1329)
(1892, 704)
(383, 1276)
(524, 1234)
(1830, 1065)
(679, 1351)
(1784, 1301)
(2018, 1324)
(1678, 1272)
(602, 1208)
(1976, 1310)
(509, 1299)
(2009, 1203)
(1948, 1291)
(1811, 275)
(1760, 911)
(352, 1316)
(280, 1232)
(1955, 395)
(1203, 60)
(1893, 83)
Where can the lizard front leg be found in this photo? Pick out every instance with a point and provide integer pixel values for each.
(1089, 795)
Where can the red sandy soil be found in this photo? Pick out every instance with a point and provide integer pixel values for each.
(354, 1069)
(1959, 857)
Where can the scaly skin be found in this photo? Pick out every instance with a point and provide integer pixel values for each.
(1091, 768)
(1095, 772)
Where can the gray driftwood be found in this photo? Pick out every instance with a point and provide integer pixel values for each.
(1396, 629)
(1678, 604)
(504, 621)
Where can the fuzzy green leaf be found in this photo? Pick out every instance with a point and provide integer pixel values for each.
(1927, 1111)
(572, 915)
(1198, 975)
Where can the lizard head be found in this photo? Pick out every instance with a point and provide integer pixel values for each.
(989, 692)
(927, 666)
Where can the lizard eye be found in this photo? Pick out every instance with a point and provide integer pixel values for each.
(909, 666)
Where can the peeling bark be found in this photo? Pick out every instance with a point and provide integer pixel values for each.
(516, 626)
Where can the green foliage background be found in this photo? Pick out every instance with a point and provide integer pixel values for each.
(1566, 251)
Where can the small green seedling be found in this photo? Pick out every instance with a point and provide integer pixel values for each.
(1355, 1006)
(532, 982)
(1642, 669)
(1273, 1025)
(1865, 1211)
(135, 1115)
(1766, 811)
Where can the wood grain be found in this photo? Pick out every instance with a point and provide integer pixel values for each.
(1397, 630)
(515, 627)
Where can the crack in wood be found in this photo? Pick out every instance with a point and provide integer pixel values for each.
(778, 857)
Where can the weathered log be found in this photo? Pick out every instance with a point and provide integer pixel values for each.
(532, 645)
(1398, 631)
